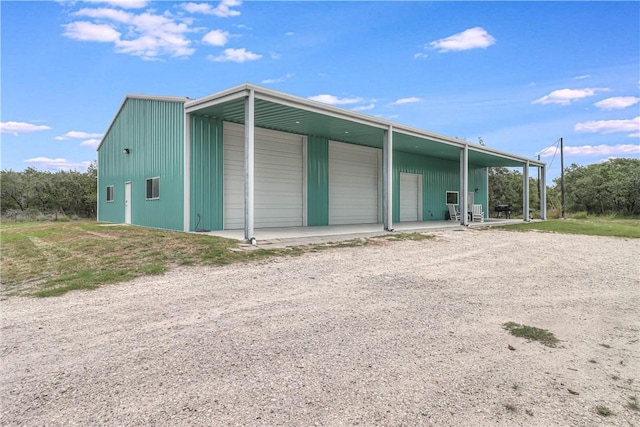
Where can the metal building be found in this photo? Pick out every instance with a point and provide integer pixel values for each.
(250, 158)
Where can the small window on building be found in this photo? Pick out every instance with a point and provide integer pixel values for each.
(110, 193)
(452, 197)
(153, 188)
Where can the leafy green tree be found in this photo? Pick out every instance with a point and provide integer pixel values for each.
(13, 191)
(505, 188)
(45, 192)
(603, 188)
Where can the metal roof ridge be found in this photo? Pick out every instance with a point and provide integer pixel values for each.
(156, 97)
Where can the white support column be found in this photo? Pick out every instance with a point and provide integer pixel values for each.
(186, 221)
(543, 192)
(487, 213)
(249, 160)
(387, 179)
(464, 184)
(525, 192)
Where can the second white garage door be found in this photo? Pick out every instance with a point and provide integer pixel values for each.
(278, 190)
(353, 184)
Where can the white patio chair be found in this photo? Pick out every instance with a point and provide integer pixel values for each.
(476, 214)
(454, 213)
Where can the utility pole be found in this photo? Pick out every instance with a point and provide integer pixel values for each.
(562, 178)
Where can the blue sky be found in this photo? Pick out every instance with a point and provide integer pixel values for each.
(519, 75)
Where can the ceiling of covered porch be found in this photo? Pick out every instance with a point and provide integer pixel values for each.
(286, 118)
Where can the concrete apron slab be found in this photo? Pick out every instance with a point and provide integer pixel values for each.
(299, 236)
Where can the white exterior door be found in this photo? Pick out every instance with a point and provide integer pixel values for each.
(279, 178)
(127, 202)
(353, 184)
(410, 197)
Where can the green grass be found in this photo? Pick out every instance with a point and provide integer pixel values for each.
(52, 258)
(604, 411)
(410, 236)
(531, 333)
(597, 226)
(48, 258)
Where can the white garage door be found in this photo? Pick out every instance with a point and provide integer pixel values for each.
(410, 200)
(353, 184)
(278, 190)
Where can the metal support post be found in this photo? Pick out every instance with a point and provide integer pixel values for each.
(249, 160)
(387, 179)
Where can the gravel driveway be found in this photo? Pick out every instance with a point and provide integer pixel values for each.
(392, 333)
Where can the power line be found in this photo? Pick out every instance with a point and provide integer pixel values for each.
(557, 143)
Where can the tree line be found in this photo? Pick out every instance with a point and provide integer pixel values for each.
(611, 187)
(32, 192)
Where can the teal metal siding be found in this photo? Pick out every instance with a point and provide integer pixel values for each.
(478, 179)
(207, 173)
(317, 180)
(153, 131)
(438, 177)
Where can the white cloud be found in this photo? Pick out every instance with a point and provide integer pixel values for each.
(364, 107)
(334, 100)
(74, 134)
(93, 143)
(205, 8)
(216, 38)
(235, 55)
(610, 126)
(222, 10)
(147, 35)
(289, 33)
(125, 4)
(593, 150)
(278, 80)
(582, 77)
(473, 38)
(89, 32)
(420, 55)
(567, 96)
(58, 164)
(617, 102)
(14, 128)
(106, 13)
(406, 100)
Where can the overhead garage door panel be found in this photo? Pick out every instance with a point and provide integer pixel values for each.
(278, 190)
(233, 143)
(353, 184)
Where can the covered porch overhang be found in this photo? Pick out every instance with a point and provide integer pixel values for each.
(254, 106)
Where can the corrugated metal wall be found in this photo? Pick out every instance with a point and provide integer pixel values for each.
(207, 172)
(478, 179)
(438, 177)
(317, 180)
(153, 132)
